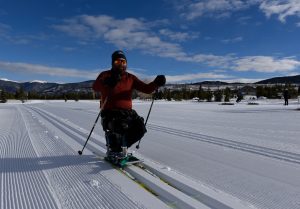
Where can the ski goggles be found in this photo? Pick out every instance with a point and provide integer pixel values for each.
(120, 61)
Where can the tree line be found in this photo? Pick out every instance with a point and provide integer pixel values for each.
(275, 92)
(184, 93)
(22, 95)
(271, 92)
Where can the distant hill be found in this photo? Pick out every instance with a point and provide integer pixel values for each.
(49, 88)
(286, 79)
(213, 83)
(9, 86)
(86, 86)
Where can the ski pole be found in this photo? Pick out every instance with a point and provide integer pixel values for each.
(153, 98)
(80, 151)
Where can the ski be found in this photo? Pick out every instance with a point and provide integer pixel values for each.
(118, 167)
(121, 162)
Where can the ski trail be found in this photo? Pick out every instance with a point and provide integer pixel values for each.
(21, 187)
(76, 133)
(165, 193)
(77, 180)
(260, 150)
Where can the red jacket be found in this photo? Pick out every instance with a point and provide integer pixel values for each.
(120, 97)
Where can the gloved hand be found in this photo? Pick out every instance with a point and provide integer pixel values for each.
(160, 80)
(112, 80)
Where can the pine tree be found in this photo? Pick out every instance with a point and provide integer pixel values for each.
(218, 95)
(20, 94)
(209, 95)
(201, 94)
(3, 96)
(227, 93)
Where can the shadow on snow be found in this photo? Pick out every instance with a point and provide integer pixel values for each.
(30, 164)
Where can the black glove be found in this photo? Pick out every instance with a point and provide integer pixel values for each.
(112, 80)
(160, 80)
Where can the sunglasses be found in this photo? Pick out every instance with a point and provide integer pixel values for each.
(120, 61)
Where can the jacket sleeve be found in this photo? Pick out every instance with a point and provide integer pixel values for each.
(98, 84)
(143, 87)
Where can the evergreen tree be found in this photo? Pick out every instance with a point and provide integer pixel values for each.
(201, 94)
(260, 91)
(159, 95)
(209, 95)
(227, 93)
(20, 94)
(33, 95)
(184, 93)
(3, 96)
(167, 94)
(218, 95)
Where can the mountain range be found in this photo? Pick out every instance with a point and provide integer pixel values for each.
(86, 86)
(46, 88)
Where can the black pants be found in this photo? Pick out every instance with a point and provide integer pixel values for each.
(115, 141)
(286, 102)
(122, 128)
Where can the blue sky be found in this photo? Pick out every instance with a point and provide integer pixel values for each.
(186, 40)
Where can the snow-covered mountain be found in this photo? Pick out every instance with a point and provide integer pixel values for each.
(286, 79)
(56, 88)
(45, 87)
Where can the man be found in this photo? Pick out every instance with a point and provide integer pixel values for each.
(122, 125)
(286, 96)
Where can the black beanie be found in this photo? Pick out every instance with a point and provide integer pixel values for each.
(117, 54)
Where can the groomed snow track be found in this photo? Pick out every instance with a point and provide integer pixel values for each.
(174, 189)
(264, 151)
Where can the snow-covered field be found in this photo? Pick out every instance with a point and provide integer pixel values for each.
(196, 155)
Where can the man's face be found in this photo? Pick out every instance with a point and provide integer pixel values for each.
(120, 65)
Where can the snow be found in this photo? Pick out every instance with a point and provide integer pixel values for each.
(5, 79)
(196, 155)
(38, 81)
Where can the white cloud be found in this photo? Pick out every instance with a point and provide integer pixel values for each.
(224, 8)
(4, 27)
(5, 33)
(208, 38)
(27, 68)
(265, 64)
(292, 74)
(243, 80)
(69, 49)
(244, 20)
(74, 27)
(133, 33)
(178, 36)
(212, 60)
(215, 8)
(282, 8)
(4, 30)
(129, 33)
(257, 63)
(184, 77)
(232, 40)
(194, 77)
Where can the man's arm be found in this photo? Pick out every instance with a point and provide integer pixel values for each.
(148, 88)
(98, 84)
